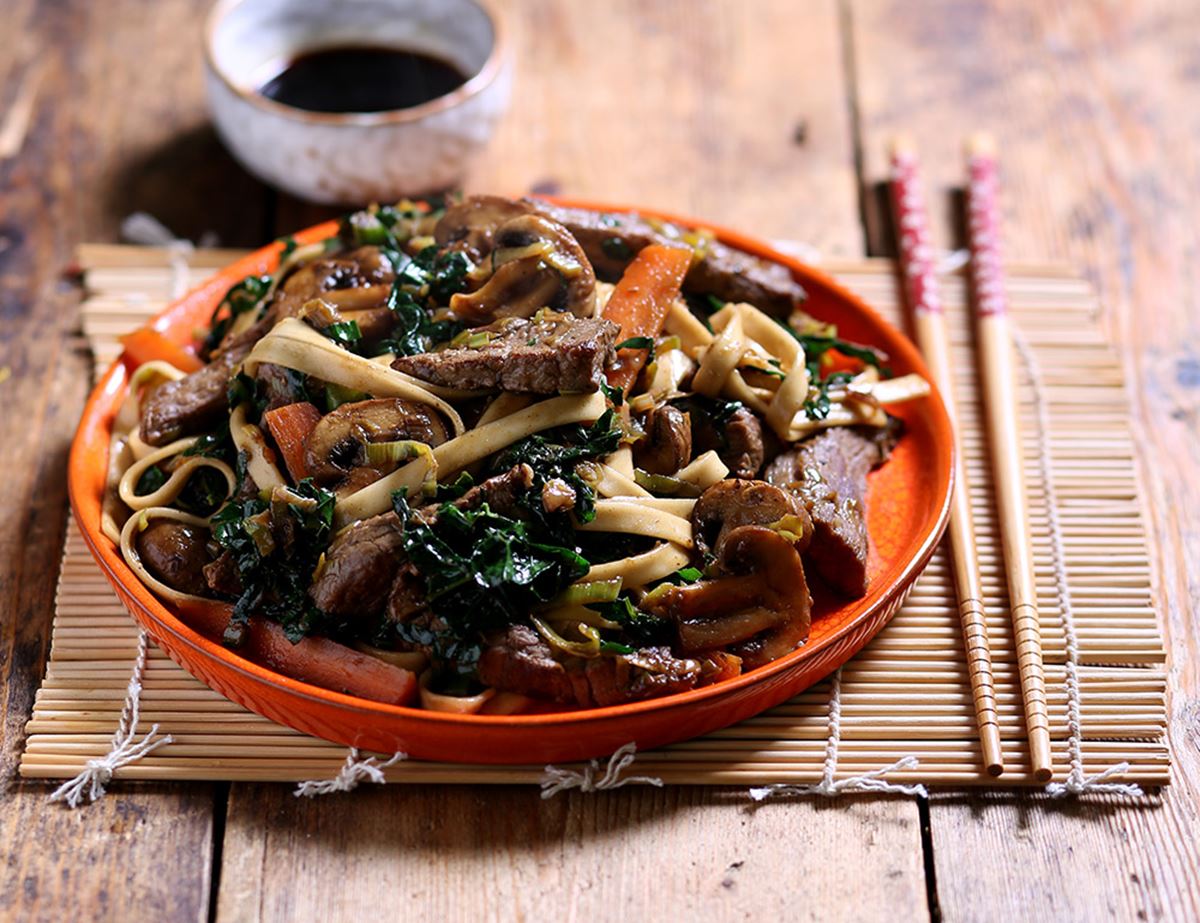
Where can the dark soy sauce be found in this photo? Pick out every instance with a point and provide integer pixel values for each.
(362, 79)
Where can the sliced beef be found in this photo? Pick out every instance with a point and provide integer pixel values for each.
(360, 567)
(560, 354)
(667, 445)
(738, 441)
(519, 660)
(612, 240)
(279, 386)
(829, 474)
(364, 560)
(192, 404)
(221, 575)
(175, 553)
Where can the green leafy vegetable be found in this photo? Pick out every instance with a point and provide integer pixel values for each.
(481, 571)
(642, 628)
(344, 333)
(615, 248)
(242, 297)
(275, 547)
(151, 480)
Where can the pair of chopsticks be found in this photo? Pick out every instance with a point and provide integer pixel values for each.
(1000, 402)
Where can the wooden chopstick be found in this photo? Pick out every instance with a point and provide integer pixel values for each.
(929, 325)
(998, 384)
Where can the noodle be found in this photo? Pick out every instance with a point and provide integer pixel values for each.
(472, 446)
(295, 345)
(634, 518)
(168, 492)
(249, 439)
(641, 569)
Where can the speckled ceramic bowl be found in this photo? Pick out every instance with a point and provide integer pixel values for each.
(355, 158)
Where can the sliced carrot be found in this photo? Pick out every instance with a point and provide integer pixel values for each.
(640, 302)
(145, 345)
(291, 426)
(314, 660)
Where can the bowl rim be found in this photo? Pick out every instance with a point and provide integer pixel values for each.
(86, 507)
(487, 75)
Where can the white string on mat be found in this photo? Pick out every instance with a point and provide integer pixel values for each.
(555, 780)
(146, 230)
(126, 748)
(829, 786)
(354, 770)
(1076, 783)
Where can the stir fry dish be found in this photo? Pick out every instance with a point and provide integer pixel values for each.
(497, 456)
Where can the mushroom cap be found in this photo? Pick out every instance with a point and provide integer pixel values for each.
(536, 263)
(732, 503)
(338, 443)
(470, 225)
(763, 593)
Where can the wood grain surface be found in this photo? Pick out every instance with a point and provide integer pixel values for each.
(769, 115)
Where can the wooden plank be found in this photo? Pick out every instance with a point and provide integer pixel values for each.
(1092, 107)
(116, 125)
(690, 106)
(454, 853)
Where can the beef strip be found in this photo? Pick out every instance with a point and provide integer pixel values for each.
(279, 386)
(559, 354)
(222, 575)
(364, 560)
(612, 240)
(519, 660)
(829, 474)
(739, 441)
(360, 566)
(192, 404)
(667, 446)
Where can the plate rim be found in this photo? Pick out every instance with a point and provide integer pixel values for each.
(111, 385)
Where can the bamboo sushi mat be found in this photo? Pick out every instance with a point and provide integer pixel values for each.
(907, 693)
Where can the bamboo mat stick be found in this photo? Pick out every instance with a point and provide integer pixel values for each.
(999, 389)
(930, 327)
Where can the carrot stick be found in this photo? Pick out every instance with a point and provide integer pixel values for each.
(291, 427)
(640, 302)
(314, 660)
(145, 345)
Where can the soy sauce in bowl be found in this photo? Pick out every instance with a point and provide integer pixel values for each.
(361, 79)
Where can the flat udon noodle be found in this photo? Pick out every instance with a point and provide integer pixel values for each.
(690, 329)
(471, 446)
(676, 506)
(640, 569)
(621, 461)
(295, 345)
(612, 483)
(169, 491)
(704, 470)
(249, 438)
(458, 705)
(136, 523)
(631, 517)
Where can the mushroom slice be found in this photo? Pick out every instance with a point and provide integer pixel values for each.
(339, 441)
(764, 593)
(536, 263)
(733, 503)
(470, 226)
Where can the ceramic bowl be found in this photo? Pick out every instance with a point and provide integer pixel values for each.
(907, 510)
(354, 158)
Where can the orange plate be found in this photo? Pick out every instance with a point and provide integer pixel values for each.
(907, 510)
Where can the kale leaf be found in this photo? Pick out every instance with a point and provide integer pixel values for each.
(482, 571)
(276, 571)
(242, 297)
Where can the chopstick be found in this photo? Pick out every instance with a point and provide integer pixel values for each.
(998, 381)
(929, 325)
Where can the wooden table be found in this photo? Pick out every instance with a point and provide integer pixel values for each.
(770, 115)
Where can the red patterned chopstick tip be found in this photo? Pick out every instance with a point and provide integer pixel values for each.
(983, 234)
(912, 229)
